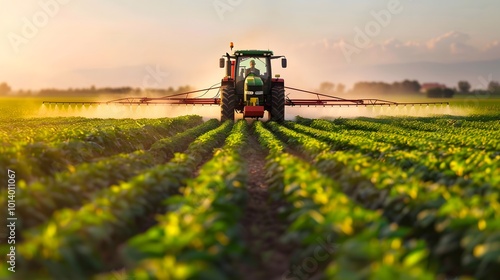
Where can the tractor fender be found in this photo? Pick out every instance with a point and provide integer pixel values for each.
(277, 81)
(227, 81)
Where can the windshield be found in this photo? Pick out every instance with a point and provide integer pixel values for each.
(255, 65)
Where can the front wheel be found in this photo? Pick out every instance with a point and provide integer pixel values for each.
(277, 104)
(228, 103)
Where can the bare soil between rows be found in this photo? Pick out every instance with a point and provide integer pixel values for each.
(263, 228)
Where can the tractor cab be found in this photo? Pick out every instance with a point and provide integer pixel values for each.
(249, 79)
(252, 79)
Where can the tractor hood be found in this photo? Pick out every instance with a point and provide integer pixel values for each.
(253, 83)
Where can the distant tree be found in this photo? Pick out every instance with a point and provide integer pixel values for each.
(372, 87)
(405, 86)
(494, 87)
(464, 87)
(434, 93)
(27, 92)
(24, 92)
(182, 89)
(411, 86)
(5, 89)
(326, 87)
(340, 89)
(440, 93)
(448, 93)
(397, 87)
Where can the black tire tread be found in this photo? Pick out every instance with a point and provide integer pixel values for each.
(278, 104)
(228, 103)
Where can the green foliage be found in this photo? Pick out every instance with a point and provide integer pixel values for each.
(436, 183)
(365, 245)
(200, 235)
(71, 188)
(73, 243)
(384, 198)
(39, 156)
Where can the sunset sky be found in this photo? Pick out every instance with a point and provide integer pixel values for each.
(78, 43)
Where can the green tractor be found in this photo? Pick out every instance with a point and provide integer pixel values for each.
(249, 87)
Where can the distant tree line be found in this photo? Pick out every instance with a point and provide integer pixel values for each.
(440, 93)
(170, 90)
(493, 89)
(86, 91)
(409, 87)
(111, 90)
(379, 88)
(5, 89)
(331, 88)
(404, 87)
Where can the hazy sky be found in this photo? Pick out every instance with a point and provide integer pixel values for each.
(77, 43)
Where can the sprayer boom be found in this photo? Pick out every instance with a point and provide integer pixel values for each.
(174, 99)
(354, 102)
(144, 101)
(321, 99)
(330, 100)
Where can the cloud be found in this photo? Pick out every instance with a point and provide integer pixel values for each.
(451, 43)
(452, 46)
(446, 47)
(446, 40)
(493, 45)
(393, 49)
(492, 49)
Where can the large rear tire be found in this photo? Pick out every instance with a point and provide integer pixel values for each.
(277, 104)
(228, 103)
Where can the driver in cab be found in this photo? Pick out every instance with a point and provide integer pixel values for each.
(252, 69)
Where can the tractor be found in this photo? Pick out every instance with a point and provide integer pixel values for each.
(249, 87)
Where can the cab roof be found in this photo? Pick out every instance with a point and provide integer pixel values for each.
(253, 53)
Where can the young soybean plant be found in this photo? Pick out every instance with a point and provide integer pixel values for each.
(57, 246)
(319, 209)
(200, 235)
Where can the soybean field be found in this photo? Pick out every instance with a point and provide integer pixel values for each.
(192, 198)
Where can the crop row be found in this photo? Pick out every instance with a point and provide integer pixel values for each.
(53, 130)
(352, 242)
(430, 124)
(438, 213)
(40, 159)
(479, 139)
(200, 236)
(24, 131)
(472, 169)
(77, 243)
(71, 188)
(364, 199)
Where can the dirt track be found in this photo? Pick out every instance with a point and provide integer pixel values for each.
(262, 226)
